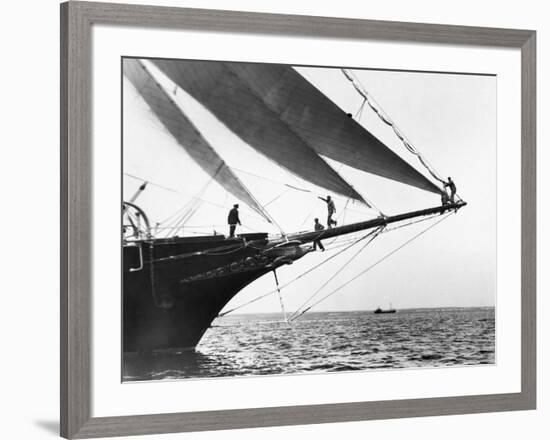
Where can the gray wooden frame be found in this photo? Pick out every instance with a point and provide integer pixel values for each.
(77, 19)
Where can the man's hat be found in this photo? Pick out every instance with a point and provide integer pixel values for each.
(236, 205)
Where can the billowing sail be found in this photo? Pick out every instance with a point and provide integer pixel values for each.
(301, 109)
(243, 111)
(186, 134)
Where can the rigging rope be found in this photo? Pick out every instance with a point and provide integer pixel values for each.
(297, 188)
(181, 193)
(296, 278)
(176, 224)
(337, 245)
(371, 266)
(192, 207)
(152, 183)
(343, 213)
(188, 207)
(195, 203)
(309, 213)
(360, 111)
(386, 119)
(276, 198)
(375, 234)
(280, 296)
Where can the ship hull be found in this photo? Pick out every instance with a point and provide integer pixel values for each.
(180, 321)
(174, 289)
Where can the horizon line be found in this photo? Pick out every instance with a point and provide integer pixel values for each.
(365, 310)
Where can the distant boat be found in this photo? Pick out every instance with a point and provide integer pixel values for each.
(379, 310)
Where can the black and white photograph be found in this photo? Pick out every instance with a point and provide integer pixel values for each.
(290, 219)
(275, 219)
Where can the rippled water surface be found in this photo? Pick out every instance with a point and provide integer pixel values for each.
(323, 342)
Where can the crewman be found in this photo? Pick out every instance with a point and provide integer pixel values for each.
(452, 187)
(318, 227)
(444, 197)
(233, 220)
(331, 210)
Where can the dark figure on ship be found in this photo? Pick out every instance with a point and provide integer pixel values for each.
(331, 210)
(317, 242)
(445, 198)
(233, 220)
(452, 187)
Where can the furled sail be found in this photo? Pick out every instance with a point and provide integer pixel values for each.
(216, 86)
(301, 109)
(186, 134)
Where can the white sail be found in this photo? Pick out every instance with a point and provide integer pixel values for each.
(235, 104)
(186, 134)
(277, 111)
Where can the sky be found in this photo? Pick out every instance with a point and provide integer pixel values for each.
(449, 118)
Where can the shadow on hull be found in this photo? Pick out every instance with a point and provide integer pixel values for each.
(180, 315)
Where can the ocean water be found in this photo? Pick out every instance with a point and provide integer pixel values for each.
(263, 344)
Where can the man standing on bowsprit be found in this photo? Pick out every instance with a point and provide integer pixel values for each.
(452, 187)
(233, 220)
(317, 243)
(331, 211)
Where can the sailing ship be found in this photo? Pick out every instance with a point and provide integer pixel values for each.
(175, 286)
(379, 311)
